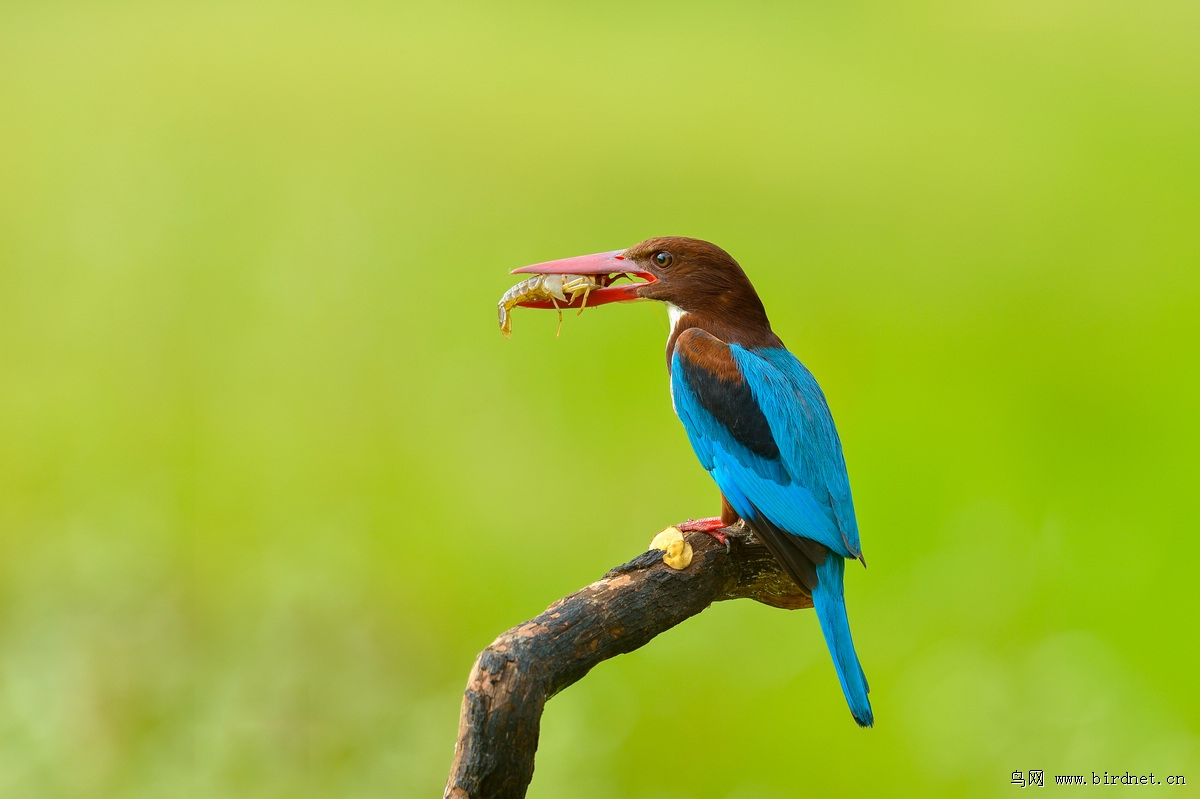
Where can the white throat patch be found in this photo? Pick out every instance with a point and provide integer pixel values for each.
(674, 313)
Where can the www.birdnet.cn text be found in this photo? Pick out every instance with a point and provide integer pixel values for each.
(1036, 778)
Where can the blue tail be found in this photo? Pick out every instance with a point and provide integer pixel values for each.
(831, 611)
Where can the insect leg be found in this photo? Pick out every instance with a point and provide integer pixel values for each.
(558, 332)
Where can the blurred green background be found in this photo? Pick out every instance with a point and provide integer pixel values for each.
(270, 477)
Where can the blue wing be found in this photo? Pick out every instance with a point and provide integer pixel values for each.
(759, 423)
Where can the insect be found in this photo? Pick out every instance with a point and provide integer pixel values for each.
(555, 288)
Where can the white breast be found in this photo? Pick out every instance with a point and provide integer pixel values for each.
(674, 313)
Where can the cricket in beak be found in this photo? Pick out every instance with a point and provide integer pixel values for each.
(579, 282)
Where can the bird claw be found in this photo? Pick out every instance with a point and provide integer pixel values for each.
(711, 526)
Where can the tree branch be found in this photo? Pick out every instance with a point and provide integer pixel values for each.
(514, 677)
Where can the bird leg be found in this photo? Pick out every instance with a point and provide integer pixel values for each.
(712, 526)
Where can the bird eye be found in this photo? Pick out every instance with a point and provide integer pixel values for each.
(662, 259)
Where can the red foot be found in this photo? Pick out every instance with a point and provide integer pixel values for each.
(712, 525)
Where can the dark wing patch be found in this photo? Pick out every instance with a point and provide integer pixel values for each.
(799, 556)
(715, 379)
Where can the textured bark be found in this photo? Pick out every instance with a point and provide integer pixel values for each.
(514, 677)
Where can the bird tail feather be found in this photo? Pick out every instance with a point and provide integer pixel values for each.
(830, 604)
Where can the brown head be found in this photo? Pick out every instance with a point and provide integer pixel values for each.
(700, 283)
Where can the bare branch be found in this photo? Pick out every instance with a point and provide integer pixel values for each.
(514, 677)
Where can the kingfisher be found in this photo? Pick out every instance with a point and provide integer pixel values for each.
(754, 415)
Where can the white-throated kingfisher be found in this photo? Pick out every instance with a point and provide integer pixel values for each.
(755, 416)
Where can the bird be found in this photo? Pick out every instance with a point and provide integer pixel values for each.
(754, 414)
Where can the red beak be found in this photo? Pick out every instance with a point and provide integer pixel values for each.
(604, 268)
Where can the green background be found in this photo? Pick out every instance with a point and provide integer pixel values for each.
(270, 477)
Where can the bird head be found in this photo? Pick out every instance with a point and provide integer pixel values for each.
(693, 277)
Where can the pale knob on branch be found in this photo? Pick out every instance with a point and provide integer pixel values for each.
(678, 552)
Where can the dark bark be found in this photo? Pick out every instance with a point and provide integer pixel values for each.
(514, 677)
